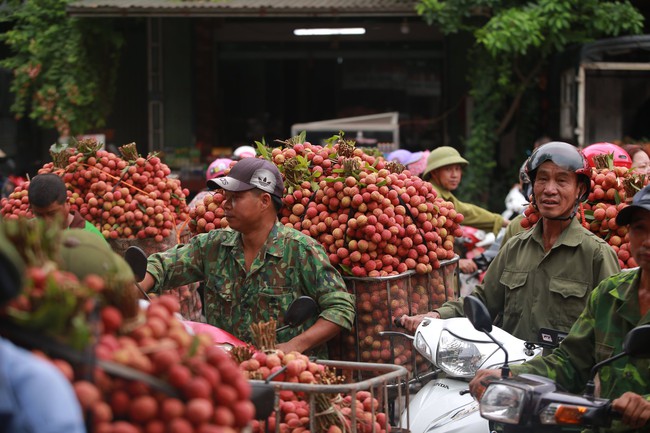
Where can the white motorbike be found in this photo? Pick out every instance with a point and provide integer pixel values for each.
(457, 350)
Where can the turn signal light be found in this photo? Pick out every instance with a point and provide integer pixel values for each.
(563, 414)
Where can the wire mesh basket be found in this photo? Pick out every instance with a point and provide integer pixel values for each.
(387, 384)
(381, 300)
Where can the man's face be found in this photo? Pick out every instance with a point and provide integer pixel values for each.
(640, 238)
(242, 209)
(556, 190)
(55, 212)
(448, 176)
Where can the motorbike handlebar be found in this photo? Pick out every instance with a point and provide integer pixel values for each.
(482, 262)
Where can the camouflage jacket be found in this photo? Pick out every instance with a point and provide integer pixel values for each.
(289, 265)
(612, 311)
(529, 288)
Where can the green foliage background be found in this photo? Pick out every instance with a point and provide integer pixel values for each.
(514, 41)
(64, 68)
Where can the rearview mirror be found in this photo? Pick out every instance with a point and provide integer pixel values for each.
(636, 342)
(263, 398)
(477, 313)
(300, 310)
(137, 260)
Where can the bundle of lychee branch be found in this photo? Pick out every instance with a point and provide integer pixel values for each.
(125, 196)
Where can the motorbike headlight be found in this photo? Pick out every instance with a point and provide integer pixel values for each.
(457, 357)
(503, 403)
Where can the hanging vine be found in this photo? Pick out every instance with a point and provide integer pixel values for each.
(64, 69)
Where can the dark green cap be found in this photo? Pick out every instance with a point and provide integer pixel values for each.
(85, 253)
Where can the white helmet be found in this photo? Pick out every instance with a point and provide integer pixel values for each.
(245, 152)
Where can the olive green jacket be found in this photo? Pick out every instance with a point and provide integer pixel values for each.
(513, 228)
(611, 312)
(289, 265)
(526, 288)
(475, 216)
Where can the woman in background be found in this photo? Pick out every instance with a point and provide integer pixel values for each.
(640, 159)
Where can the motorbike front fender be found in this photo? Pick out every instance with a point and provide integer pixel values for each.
(440, 407)
(219, 336)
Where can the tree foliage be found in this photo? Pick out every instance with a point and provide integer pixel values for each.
(513, 42)
(64, 69)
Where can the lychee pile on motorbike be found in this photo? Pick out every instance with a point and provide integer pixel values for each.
(131, 199)
(142, 369)
(371, 216)
(126, 197)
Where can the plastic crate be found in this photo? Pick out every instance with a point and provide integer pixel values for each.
(388, 384)
(379, 301)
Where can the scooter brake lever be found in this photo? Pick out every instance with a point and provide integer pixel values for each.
(395, 334)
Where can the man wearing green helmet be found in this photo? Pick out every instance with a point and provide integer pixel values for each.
(84, 253)
(445, 171)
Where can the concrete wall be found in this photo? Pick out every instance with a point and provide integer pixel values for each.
(177, 82)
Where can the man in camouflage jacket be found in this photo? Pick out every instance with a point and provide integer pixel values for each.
(617, 305)
(253, 270)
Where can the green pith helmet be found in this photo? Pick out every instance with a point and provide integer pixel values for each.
(84, 253)
(442, 156)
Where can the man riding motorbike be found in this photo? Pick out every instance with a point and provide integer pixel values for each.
(617, 305)
(543, 277)
(254, 269)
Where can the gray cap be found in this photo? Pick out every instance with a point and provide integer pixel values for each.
(641, 200)
(251, 173)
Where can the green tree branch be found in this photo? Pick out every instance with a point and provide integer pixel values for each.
(514, 41)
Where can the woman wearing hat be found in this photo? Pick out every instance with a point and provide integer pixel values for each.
(444, 171)
(415, 162)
